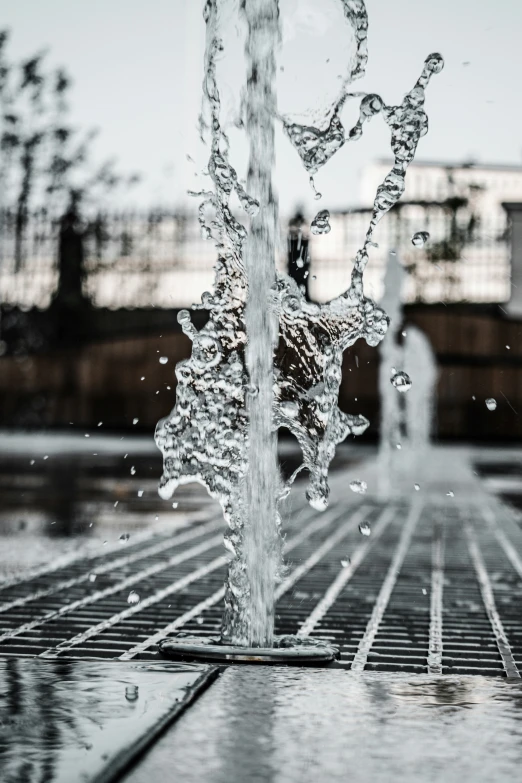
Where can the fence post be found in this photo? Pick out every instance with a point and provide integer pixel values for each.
(69, 293)
(514, 211)
(299, 253)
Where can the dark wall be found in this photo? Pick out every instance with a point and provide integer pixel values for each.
(101, 380)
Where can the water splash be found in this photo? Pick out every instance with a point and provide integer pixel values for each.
(406, 419)
(267, 358)
(400, 381)
(420, 238)
(321, 223)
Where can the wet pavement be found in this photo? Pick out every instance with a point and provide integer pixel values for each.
(274, 725)
(84, 722)
(69, 498)
(65, 496)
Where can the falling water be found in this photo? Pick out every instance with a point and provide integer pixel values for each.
(407, 394)
(267, 358)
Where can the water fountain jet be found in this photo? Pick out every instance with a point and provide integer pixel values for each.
(268, 358)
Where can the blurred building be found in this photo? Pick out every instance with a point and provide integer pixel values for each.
(87, 349)
(483, 186)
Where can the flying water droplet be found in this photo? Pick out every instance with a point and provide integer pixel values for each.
(450, 494)
(133, 598)
(364, 529)
(345, 563)
(131, 692)
(133, 471)
(401, 381)
(417, 487)
(124, 537)
(321, 223)
(359, 487)
(135, 421)
(92, 577)
(420, 238)
(163, 359)
(491, 404)
(140, 493)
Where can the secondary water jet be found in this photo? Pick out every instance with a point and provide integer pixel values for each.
(268, 358)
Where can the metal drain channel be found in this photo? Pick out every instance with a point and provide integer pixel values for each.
(433, 589)
(361, 656)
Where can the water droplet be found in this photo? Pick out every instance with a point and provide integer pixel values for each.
(420, 238)
(491, 404)
(435, 62)
(199, 620)
(450, 494)
(417, 487)
(163, 359)
(142, 378)
(364, 529)
(358, 487)
(133, 598)
(92, 577)
(100, 423)
(175, 505)
(124, 537)
(135, 421)
(87, 435)
(321, 223)
(133, 471)
(140, 493)
(131, 692)
(32, 462)
(116, 503)
(424, 591)
(46, 456)
(399, 447)
(345, 563)
(508, 347)
(401, 381)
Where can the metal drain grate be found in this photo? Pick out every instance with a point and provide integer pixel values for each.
(432, 589)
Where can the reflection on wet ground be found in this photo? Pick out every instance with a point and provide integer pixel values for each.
(57, 503)
(308, 725)
(81, 721)
(66, 494)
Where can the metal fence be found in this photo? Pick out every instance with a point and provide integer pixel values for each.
(159, 259)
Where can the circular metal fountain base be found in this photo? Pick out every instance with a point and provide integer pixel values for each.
(294, 650)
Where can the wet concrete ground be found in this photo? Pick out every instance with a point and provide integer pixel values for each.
(63, 495)
(273, 725)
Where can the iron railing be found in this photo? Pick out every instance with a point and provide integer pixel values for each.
(161, 259)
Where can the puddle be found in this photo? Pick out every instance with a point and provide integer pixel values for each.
(83, 721)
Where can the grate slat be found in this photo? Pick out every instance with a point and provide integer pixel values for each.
(490, 605)
(436, 588)
(361, 656)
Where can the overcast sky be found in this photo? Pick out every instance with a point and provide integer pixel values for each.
(136, 71)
